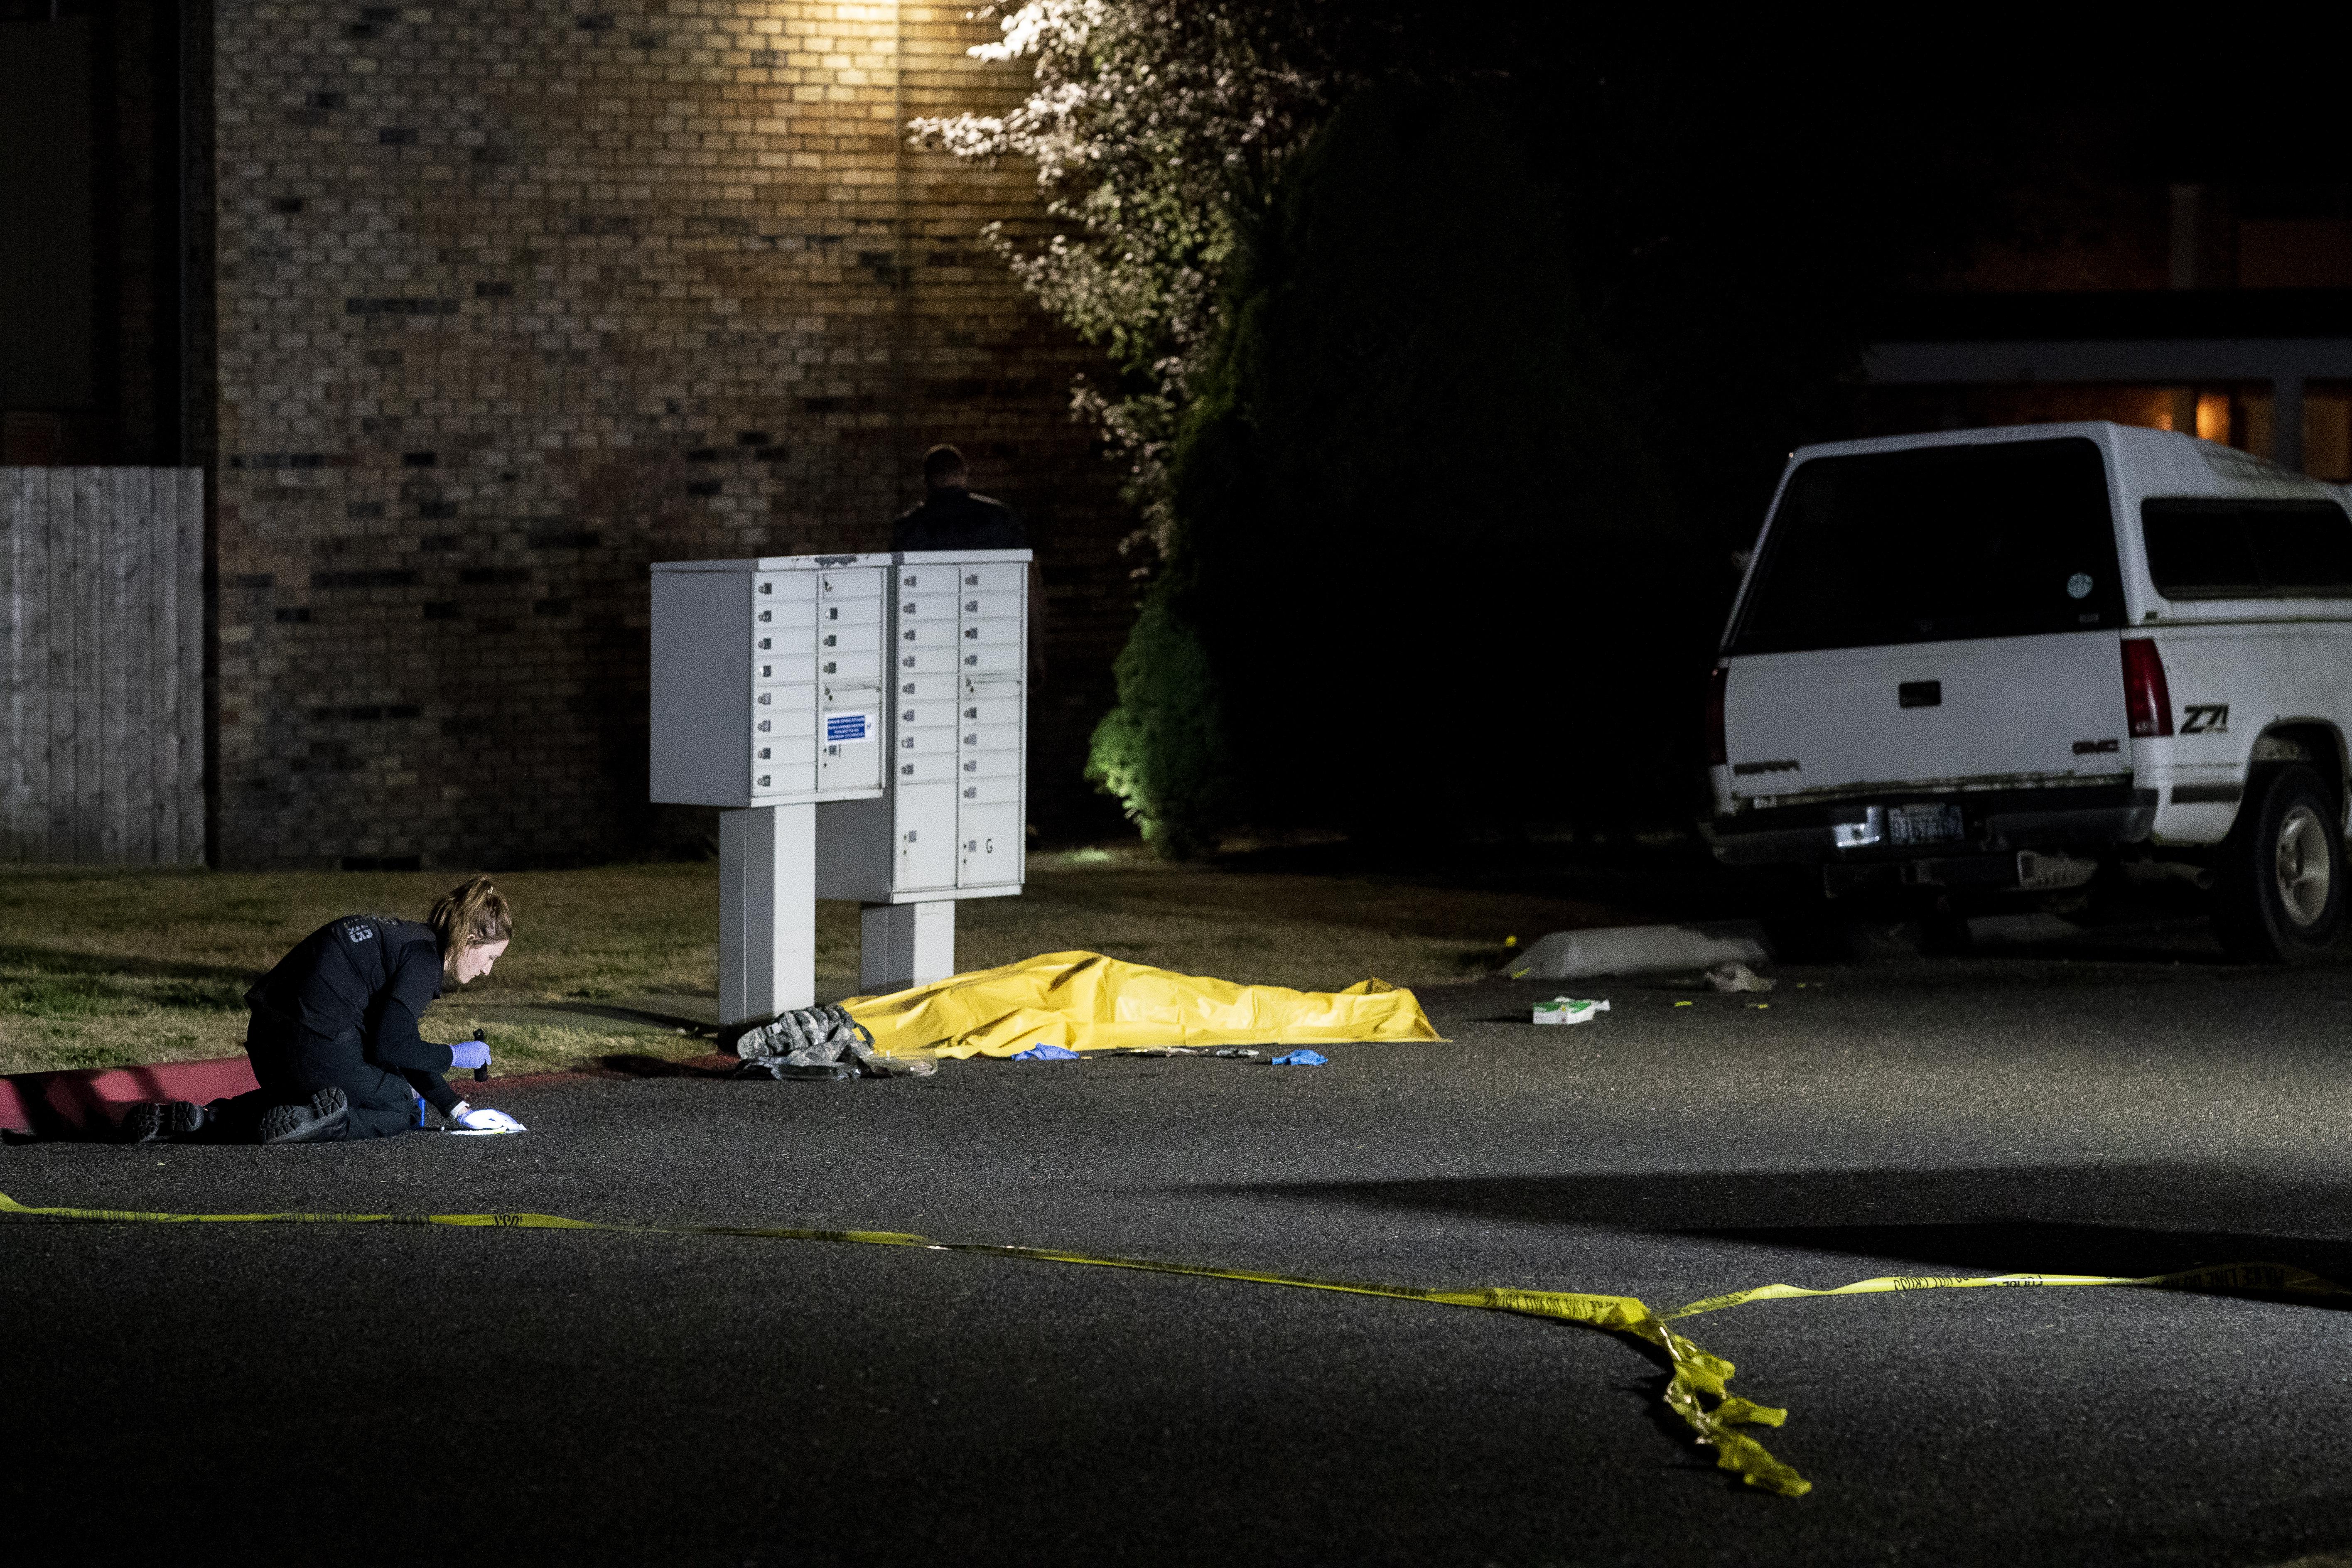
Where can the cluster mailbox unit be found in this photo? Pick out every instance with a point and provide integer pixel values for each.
(860, 722)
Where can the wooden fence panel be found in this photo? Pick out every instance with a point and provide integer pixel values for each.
(101, 665)
(32, 534)
(58, 530)
(162, 567)
(24, 822)
(90, 665)
(33, 487)
(117, 651)
(130, 783)
(188, 729)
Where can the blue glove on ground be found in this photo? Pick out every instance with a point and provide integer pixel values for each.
(469, 1053)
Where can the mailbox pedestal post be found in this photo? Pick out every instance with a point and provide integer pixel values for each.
(767, 920)
(904, 945)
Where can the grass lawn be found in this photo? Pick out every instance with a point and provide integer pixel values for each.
(110, 968)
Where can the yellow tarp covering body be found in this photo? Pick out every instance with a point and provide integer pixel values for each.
(1086, 1002)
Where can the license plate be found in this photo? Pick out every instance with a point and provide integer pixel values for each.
(1923, 824)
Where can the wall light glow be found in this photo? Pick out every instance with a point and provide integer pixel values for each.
(2213, 418)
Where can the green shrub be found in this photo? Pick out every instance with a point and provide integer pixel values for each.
(1163, 750)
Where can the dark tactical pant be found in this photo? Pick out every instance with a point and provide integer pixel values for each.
(292, 1063)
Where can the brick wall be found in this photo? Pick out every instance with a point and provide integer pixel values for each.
(516, 297)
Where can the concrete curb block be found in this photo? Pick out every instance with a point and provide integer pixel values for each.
(1637, 950)
(58, 1103)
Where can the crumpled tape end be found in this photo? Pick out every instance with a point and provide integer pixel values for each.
(1697, 1375)
(1736, 1451)
(1746, 1412)
(1755, 1465)
(1702, 1369)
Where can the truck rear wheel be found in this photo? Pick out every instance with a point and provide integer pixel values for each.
(2279, 895)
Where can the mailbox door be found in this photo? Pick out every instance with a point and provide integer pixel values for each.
(849, 731)
(988, 845)
(924, 820)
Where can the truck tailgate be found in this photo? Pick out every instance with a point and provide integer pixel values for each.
(1990, 713)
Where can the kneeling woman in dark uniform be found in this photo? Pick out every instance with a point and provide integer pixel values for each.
(333, 1038)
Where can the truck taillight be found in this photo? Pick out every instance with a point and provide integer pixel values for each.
(1718, 754)
(2148, 699)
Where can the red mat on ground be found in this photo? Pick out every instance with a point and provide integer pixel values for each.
(64, 1104)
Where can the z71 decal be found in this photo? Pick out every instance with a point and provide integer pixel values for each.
(2205, 719)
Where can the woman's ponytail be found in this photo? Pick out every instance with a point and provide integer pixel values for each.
(473, 913)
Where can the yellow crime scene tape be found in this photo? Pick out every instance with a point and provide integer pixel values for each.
(1698, 1386)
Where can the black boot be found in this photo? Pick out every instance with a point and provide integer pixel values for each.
(322, 1117)
(163, 1119)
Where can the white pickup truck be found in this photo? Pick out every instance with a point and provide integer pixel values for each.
(1978, 663)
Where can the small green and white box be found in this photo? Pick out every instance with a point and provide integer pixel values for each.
(1567, 1010)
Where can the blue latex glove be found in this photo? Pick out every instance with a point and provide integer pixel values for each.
(1041, 1052)
(469, 1053)
(1301, 1057)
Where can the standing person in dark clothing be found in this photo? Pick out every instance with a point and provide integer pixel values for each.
(333, 1038)
(951, 517)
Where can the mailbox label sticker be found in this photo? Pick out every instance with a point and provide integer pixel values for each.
(843, 726)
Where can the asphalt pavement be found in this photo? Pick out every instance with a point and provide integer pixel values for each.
(323, 1392)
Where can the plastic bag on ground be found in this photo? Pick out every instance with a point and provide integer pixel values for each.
(1737, 977)
(824, 1043)
(1085, 1002)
